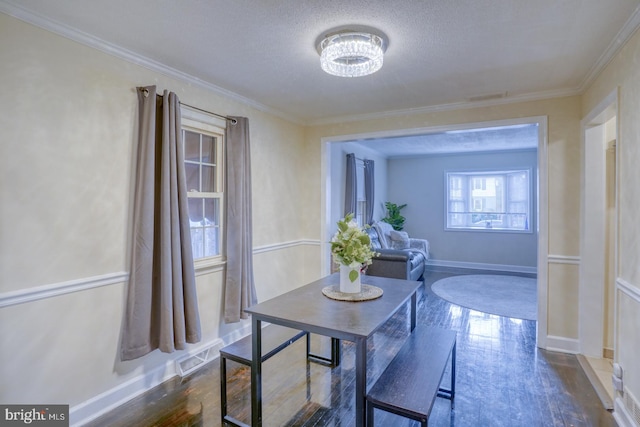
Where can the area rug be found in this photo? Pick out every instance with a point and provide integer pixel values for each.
(509, 296)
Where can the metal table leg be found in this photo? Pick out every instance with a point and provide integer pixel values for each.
(414, 298)
(256, 373)
(361, 381)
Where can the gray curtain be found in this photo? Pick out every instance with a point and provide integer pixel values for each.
(240, 291)
(369, 189)
(161, 307)
(351, 187)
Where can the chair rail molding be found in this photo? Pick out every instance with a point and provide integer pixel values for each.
(563, 259)
(628, 289)
(285, 245)
(61, 288)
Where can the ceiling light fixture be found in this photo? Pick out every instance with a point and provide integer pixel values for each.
(351, 54)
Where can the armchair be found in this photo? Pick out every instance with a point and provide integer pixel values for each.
(400, 257)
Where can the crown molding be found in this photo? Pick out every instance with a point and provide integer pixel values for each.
(127, 55)
(625, 33)
(512, 99)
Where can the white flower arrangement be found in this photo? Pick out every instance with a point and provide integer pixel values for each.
(351, 246)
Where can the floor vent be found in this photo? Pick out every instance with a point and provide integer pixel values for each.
(632, 406)
(193, 362)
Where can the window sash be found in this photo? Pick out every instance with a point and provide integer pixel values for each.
(203, 164)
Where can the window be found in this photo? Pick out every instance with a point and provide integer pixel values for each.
(488, 201)
(203, 143)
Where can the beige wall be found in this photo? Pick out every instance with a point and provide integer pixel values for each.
(622, 74)
(68, 128)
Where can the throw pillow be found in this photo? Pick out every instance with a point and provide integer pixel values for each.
(399, 239)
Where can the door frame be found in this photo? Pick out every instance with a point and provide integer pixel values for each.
(591, 309)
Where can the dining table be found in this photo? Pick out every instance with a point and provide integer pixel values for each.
(308, 308)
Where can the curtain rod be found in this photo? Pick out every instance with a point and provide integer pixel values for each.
(232, 120)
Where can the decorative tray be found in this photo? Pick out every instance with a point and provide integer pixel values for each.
(367, 293)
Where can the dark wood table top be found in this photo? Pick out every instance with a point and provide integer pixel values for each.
(307, 309)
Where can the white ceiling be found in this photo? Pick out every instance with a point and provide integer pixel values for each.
(441, 54)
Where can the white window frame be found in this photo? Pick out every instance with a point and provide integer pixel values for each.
(207, 124)
(469, 180)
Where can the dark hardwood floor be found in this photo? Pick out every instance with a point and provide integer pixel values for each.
(502, 380)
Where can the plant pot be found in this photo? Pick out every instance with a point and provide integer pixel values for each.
(346, 285)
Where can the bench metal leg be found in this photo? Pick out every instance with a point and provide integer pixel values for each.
(453, 374)
(450, 393)
(370, 409)
(332, 361)
(223, 387)
(226, 418)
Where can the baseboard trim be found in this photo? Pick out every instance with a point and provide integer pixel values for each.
(482, 266)
(111, 399)
(562, 344)
(621, 414)
(600, 389)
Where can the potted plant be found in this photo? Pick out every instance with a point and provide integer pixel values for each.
(393, 215)
(351, 248)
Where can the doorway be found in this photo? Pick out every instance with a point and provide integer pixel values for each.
(331, 193)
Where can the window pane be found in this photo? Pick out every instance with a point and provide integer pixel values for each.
(211, 241)
(191, 146)
(518, 186)
(208, 149)
(197, 238)
(208, 179)
(193, 176)
(211, 212)
(195, 212)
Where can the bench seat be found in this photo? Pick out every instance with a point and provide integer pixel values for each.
(412, 381)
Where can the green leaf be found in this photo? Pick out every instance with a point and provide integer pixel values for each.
(353, 275)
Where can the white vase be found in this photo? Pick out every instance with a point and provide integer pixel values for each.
(346, 285)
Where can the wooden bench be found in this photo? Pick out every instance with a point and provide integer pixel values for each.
(274, 339)
(412, 381)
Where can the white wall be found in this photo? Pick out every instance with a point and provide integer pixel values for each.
(420, 183)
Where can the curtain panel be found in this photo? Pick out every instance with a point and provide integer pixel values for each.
(351, 187)
(369, 190)
(161, 308)
(240, 292)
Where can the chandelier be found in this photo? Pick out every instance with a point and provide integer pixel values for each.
(351, 54)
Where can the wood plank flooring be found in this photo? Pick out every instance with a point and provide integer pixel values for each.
(502, 380)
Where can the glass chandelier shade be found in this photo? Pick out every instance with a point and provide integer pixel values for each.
(351, 54)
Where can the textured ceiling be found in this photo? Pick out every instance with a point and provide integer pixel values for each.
(473, 140)
(441, 53)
